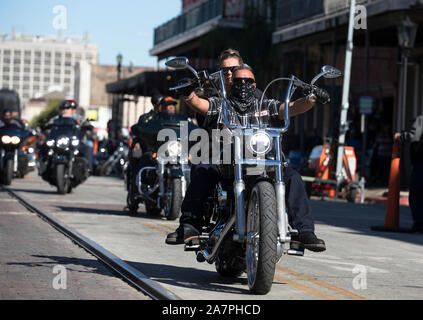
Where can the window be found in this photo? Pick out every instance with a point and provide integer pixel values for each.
(6, 60)
(67, 80)
(68, 64)
(37, 54)
(6, 52)
(6, 69)
(46, 79)
(27, 53)
(27, 70)
(46, 70)
(17, 53)
(37, 70)
(6, 78)
(57, 80)
(57, 71)
(17, 61)
(36, 78)
(27, 61)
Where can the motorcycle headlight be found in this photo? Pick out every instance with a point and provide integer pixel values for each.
(15, 140)
(62, 142)
(50, 143)
(260, 143)
(6, 139)
(174, 149)
(75, 141)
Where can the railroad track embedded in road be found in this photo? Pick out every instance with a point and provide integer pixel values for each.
(128, 273)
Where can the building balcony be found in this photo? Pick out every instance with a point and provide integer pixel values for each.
(196, 22)
(299, 18)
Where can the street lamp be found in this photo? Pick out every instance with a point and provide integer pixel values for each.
(407, 31)
(119, 65)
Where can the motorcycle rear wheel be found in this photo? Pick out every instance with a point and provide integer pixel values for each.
(261, 249)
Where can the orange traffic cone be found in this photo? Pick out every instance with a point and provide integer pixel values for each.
(392, 205)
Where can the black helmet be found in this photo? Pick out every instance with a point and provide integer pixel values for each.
(155, 100)
(68, 104)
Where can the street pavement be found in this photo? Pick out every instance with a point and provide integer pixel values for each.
(359, 263)
(39, 263)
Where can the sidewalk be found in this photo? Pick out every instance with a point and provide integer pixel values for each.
(380, 195)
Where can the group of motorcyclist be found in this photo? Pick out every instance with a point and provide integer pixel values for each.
(244, 97)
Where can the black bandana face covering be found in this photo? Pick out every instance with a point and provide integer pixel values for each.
(242, 95)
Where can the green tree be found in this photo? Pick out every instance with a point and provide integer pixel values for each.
(51, 110)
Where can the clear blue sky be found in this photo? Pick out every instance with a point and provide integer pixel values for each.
(124, 26)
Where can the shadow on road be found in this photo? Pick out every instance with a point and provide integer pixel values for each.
(360, 218)
(36, 191)
(108, 211)
(191, 278)
(71, 264)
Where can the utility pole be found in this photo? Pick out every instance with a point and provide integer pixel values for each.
(343, 127)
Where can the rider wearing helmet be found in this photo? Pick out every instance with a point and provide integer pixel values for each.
(137, 158)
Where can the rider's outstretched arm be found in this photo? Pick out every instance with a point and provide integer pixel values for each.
(197, 104)
(297, 107)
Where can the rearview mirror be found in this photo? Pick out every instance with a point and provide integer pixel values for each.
(331, 72)
(178, 63)
(327, 72)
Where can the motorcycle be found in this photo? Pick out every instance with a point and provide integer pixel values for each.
(248, 228)
(13, 161)
(61, 163)
(163, 182)
(106, 164)
(320, 172)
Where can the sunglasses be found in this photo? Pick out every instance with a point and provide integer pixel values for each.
(243, 80)
(227, 69)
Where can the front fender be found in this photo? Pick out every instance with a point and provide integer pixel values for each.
(60, 159)
(175, 172)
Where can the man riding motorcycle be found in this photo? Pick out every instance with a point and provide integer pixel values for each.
(67, 110)
(204, 177)
(139, 157)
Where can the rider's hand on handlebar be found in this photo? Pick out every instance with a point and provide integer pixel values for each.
(187, 90)
(322, 95)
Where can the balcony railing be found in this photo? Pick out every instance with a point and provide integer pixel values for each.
(205, 12)
(292, 11)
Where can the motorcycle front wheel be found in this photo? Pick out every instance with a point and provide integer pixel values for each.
(261, 249)
(176, 199)
(62, 181)
(8, 174)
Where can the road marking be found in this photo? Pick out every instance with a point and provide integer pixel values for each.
(16, 213)
(321, 283)
(312, 291)
(149, 225)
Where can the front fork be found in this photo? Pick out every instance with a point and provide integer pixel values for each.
(284, 229)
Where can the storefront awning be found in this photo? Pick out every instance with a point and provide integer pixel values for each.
(147, 83)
